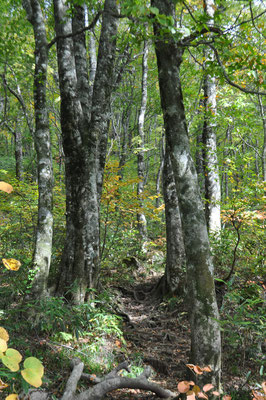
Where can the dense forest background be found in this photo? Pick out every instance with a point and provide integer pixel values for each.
(133, 136)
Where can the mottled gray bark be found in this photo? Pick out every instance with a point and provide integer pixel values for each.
(84, 133)
(225, 187)
(203, 311)
(44, 231)
(175, 253)
(92, 65)
(159, 173)
(211, 169)
(142, 223)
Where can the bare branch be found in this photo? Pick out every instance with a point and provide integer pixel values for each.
(245, 22)
(190, 12)
(253, 22)
(21, 101)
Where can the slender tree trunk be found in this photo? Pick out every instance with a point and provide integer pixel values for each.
(199, 155)
(142, 223)
(203, 311)
(18, 151)
(92, 65)
(263, 156)
(18, 154)
(44, 232)
(211, 170)
(225, 174)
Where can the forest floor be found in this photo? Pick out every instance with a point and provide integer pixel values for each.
(157, 333)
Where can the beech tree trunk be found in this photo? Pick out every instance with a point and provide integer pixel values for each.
(142, 223)
(203, 310)
(263, 156)
(211, 170)
(174, 278)
(84, 130)
(44, 232)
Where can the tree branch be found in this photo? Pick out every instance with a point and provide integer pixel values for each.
(188, 39)
(21, 101)
(245, 22)
(253, 22)
(87, 28)
(228, 80)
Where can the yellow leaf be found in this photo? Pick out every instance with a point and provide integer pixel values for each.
(4, 334)
(32, 377)
(12, 397)
(196, 389)
(11, 263)
(12, 359)
(33, 371)
(3, 345)
(14, 354)
(5, 187)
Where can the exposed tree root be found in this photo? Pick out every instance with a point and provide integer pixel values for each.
(110, 382)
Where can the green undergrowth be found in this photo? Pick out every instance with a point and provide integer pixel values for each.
(56, 332)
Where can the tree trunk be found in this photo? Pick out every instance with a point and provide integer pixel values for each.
(262, 113)
(18, 154)
(160, 170)
(175, 253)
(83, 129)
(211, 171)
(44, 232)
(203, 311)
(142, 223)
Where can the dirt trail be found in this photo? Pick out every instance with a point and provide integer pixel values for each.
(159, 335)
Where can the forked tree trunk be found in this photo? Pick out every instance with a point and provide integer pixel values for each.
(83, 129)
(44, 232)
(203, 311)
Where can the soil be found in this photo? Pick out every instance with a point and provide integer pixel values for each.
(159, 333)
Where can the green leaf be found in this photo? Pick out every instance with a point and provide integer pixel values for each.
(154, 10)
